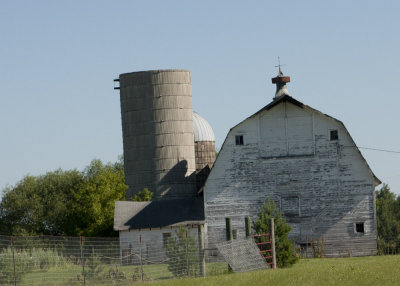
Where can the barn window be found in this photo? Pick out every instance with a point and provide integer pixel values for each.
(166, 236)
(360, 227)
(239, 139)
(334, 135)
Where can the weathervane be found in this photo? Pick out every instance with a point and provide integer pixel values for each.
(279, 64)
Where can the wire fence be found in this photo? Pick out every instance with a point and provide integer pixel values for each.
(59, 260)
(48, 260)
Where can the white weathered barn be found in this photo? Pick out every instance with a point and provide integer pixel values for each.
(308, 164)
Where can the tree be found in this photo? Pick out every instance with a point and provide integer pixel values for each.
(95, 198)
(64, 202)
(40, 205)
(284, 247)
(388, 220)
(182, 252)
(143, 196)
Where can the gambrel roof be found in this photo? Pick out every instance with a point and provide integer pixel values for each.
(290, 99)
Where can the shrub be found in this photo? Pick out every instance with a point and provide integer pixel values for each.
(143, 196)
(27, 261)
(318, 247)
(94, 267)
(182, 252)
(284, 247)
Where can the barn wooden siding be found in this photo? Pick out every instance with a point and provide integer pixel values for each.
(322, 186)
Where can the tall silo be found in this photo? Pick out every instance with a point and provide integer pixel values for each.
(204, 142)
(157, 128)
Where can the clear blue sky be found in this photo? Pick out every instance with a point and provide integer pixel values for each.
(58, 60)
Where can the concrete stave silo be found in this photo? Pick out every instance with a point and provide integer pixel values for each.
(157, 127)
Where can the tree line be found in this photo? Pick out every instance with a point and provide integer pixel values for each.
(72, 202)
(64, 202)
(388, 221)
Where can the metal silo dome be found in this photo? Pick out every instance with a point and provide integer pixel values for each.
(202, 129)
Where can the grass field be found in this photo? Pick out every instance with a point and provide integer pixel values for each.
(374, 270)
(71, 274)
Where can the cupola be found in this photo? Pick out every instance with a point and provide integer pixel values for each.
(280, 80)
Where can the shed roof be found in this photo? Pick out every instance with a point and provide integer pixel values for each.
(202, 129)
(162, 213)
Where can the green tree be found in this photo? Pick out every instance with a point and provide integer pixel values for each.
(40, 205)
(143, 196)
(64, 202)
(182, 252)
(95, 198)
(388, 220)
(284, 247)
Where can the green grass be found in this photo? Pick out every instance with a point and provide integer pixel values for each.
(72, 273)
(374, 270)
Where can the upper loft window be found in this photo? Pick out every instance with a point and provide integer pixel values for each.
(334, 135)
(239, 139)
(360, 227)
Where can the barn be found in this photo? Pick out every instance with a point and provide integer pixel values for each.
(307, 163)
(302, 159)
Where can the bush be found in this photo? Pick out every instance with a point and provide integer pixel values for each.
(182, 252)
(318, 247)
(27, 261)
(284, 247)
(94, 267)
(143, 196)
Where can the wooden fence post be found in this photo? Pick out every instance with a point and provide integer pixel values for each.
(140, 259)
(202, 259)
(13, 260)
(187, 254)
(272, 233)
(83, 261)
(229, 234)
(247, 226)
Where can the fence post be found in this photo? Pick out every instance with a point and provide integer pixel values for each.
(306, 246)
(83, 261)
(202, 260)
(229, 234)
(141, 263)
(13, 260)
(247, 226)
(272, 233)
(187, 255)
